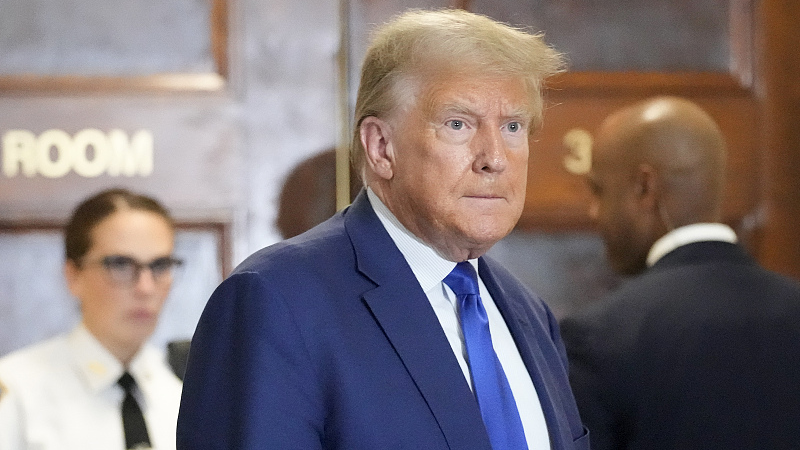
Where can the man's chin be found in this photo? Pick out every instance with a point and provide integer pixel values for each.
(482, 240)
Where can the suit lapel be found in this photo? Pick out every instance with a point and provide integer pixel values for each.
(404, 314)
(531, 339)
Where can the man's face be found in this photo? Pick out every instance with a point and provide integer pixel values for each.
(460, 152)
(123, 315)
(614, 208)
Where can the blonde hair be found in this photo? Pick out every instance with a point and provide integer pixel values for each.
(417, 40)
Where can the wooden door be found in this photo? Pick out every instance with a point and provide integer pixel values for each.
(204, 104)
(730, 56)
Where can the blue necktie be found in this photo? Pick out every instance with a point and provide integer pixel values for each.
(495, 400)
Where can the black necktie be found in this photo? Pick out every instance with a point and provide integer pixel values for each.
(132, 418)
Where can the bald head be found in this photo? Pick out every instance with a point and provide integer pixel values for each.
(656, 165)
(682, 144)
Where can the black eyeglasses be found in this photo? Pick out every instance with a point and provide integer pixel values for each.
(126, 270)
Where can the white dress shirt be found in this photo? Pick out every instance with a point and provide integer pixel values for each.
(689, 234)
(430, 270)
(61, 394)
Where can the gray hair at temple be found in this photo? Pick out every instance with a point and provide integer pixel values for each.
(420, 42)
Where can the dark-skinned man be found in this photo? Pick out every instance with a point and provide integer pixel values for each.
(696, 350)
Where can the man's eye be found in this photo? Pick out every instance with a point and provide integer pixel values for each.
(595, 188)
(455, 124)
(514, 127)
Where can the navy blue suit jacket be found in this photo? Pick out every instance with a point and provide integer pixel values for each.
(698, 352)
(327, 341)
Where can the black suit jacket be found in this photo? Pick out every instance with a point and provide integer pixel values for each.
(699, 352)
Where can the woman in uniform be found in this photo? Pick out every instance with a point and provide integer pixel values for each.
(101, 386)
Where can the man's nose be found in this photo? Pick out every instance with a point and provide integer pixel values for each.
(492, 151)
(594, 209)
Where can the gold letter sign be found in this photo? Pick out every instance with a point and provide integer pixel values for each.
(579, 144)
(54, 153)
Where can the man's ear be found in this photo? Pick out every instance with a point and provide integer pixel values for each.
(647, 186)
(378, 148)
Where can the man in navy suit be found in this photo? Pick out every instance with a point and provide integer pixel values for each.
(696, 351)
(346, 337)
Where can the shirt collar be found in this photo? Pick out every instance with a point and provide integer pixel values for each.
(427, 265)
(688, 234)
(99, 368)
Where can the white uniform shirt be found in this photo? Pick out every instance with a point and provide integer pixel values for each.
(61, 394)
(430, 269)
